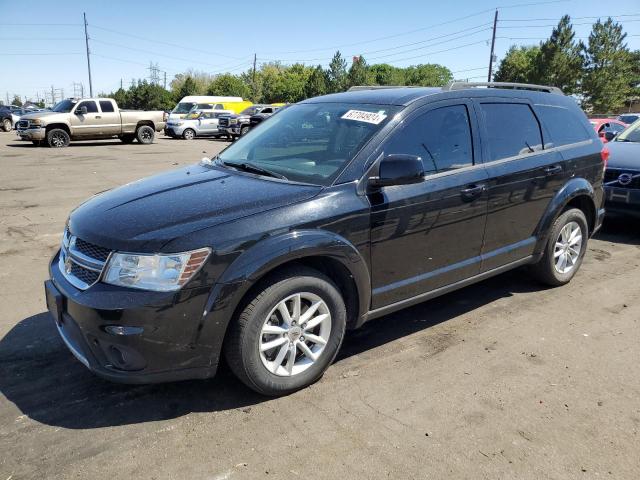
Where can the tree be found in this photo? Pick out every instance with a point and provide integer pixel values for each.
(317, 83)
(427, 75)
(188, 88)
(560, 59)
(337, 73)
(609, 71)
(229, 85)
(358, 73)
(520, 64)
(16, 101)
(144, 96)
(384, 74)
(202, 80)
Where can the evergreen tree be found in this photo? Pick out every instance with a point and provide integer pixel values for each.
(560, 61)
(189, 87)
(337, 73)
(609, 70)
(317, 83)
(358, 73)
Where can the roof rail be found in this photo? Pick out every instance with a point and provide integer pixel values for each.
(515, 86)
(357, 88)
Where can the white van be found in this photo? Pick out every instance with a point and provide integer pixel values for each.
(199, 102)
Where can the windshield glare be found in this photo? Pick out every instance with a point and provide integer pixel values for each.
(310, 143)
(630, 134)
(65, 106)
(184, 107)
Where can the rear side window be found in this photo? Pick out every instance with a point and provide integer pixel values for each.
(91, 106)
(562, 125)
(106, 106)
(441, 137)
(512, 129)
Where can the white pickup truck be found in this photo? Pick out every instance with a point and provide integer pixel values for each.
(89, 119)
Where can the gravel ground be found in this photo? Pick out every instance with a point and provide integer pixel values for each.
(501, 380)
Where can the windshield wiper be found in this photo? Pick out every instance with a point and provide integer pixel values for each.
(253, 168)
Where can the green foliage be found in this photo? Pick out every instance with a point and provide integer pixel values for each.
(188, 88)
(337, 73)
(609, 69)
(428, 75)
(358, 73)
(229, 85)
(144, 96)
(16, 101)
(317, 83)
(520, 64)
(560, 62)
(385, 74)
(199, 83)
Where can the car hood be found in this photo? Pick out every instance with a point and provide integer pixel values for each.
(39, 115)
(624, 155)
(144, 215)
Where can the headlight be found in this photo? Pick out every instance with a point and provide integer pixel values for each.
(161, 272)
(179, 123)
(233, 121)
(35, 123)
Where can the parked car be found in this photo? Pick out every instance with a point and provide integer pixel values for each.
(628, 118)
(271, 250)
(602, 126)
(258, 118)
(89, 119)
(236, 125)
(622, 176)
(203, 102)
(9, 116)
(195, 124)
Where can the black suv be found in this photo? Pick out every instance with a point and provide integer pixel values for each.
(236, 125)
(339, 209)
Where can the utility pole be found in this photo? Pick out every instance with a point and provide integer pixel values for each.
(165, 80)
(493, 44)
(253, 77)
(120, 84)
(53, 96)
(86, 39)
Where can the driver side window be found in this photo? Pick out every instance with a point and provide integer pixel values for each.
(91, 106)
(441, 137)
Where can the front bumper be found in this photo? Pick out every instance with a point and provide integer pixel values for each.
(230, 130)
(622, 201)
(173, 131)
(32, 133)
(167, 348)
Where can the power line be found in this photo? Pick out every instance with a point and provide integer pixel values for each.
(439, 51)
(555, 25)
(44, 54)
(572, 18)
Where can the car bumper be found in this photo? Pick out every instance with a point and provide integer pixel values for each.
(173, 131)
(33, 134)
(233, 130)
(622, 201)
(159, 344)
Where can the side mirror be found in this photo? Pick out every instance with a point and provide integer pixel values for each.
(82, 111)
(398, 169)
(609, 136)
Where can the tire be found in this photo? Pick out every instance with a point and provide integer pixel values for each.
(189, 134)
(6, 125)
(145, 134)
(564, 242)
(127, 138)
(270, 372)
(58, 138)
(244, 130)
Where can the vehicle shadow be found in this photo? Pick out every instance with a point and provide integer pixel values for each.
(40, 376)
(624, 230)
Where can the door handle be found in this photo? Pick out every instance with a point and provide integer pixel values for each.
(98, 116)
(472, 191)
(553, 170)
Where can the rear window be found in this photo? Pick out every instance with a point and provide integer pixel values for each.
(106, 106)
(563, 125)
(512, 129)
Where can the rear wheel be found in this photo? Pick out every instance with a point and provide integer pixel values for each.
(145, 134)
(288, 333)
(189, 134)
(565, 249)
(58, 138)
(6, 125)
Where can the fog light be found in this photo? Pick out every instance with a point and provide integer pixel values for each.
(123, 330)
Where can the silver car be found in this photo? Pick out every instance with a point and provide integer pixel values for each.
(201, 123)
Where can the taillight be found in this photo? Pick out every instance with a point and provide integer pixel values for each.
(604, 154)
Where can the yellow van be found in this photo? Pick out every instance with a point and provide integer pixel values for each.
(236, 107)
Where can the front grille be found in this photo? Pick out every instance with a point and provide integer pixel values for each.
(81, 262)
(223, 122)
(629, 179)
(22, 124)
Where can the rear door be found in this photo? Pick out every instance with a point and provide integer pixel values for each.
(110, 119)
(523, 178)
(429, 235)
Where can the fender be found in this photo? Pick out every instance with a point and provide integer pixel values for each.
(573, 188)
(262, 258)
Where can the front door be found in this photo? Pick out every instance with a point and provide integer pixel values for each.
(429, 235)
(86, 124)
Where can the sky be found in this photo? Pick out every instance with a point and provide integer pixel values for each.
(43, 42)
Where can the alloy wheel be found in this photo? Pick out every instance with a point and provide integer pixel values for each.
(567, 248)
(58, 140)
(294, 334)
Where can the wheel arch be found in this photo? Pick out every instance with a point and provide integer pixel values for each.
(147, 123)
(62, 126)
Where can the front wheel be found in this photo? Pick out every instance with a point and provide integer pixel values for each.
(189, 134)
(6, 125)
(244, 131)
(565, 249)
(288, 333)
(58, 138)
(145, 134)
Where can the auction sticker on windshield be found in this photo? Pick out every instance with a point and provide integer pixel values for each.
(362, 116)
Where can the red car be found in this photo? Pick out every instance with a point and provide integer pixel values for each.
(604, 125)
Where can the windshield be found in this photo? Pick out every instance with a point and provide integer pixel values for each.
(65, 106)
(630, 134)
(310, 143)
(250, 110)
(193, 116)
(183, 107)
(628, 118)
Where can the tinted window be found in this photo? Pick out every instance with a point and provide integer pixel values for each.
(512, 129)
(563, 125)
(613, 127)
(219, 106)
(441, 137)
(106, 106)
(91, 107)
